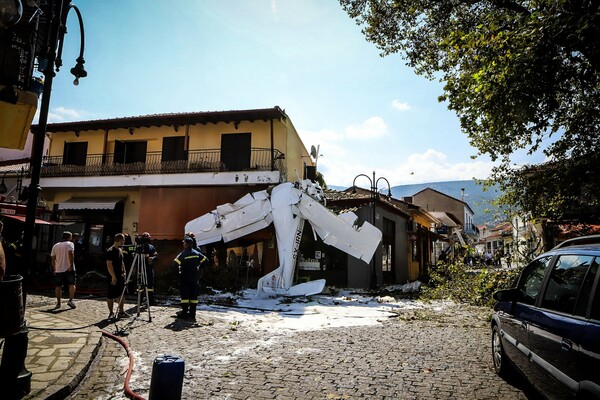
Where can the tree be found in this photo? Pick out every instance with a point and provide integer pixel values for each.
(519, 75)
(321, 180)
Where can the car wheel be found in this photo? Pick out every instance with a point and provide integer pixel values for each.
(498, 356)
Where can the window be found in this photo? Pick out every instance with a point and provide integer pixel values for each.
(236, 151)
(386, 258)
(531, 279)
(586, 289)
(173, 149)
(596, 305)
(75, 153)
(565, 282)
(130, 152)
(388, 239)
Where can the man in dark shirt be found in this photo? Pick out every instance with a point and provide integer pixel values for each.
(116, 278)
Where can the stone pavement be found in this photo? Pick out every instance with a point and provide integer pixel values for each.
(429, 354)
(60, 350)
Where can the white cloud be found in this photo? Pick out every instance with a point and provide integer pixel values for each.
(68, 112)
(398, 105)
(429, 166)
(63, 114)
(373, 127)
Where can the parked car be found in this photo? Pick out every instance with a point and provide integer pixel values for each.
(548, 325)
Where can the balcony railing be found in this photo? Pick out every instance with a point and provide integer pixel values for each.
(197, 161)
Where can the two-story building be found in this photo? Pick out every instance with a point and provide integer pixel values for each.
(154, 173)
(434, 201)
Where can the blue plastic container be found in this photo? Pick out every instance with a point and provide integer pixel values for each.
(167, 378)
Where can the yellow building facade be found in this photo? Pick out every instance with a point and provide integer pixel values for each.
(154, 173)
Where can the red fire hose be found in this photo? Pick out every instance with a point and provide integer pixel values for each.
(128, 392)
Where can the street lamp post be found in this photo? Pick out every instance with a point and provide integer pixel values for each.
(55, 14)
(58, 12)
(374, 196)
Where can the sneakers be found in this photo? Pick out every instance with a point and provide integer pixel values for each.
(71, 304)
(56, 307)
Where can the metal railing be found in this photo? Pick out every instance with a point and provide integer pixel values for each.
(153, 163)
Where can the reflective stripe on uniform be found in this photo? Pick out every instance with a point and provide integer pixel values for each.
(194, 301)
(184, 301)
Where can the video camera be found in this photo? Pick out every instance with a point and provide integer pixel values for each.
(142, 243)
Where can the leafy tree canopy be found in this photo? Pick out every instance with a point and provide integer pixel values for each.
(519, 75)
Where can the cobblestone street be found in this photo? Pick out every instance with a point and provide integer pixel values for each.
(433, 353)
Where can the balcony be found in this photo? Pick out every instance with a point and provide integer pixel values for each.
(197, 161)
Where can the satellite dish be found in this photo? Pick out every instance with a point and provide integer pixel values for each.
(313, 152)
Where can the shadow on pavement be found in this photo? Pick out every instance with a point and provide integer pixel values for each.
(518, 381)
(183, 324)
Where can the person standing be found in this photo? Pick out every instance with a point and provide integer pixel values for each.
(116, 278)
(79, 254)
(188, 263)
(151, 256)
(63, 266)
(128, 250)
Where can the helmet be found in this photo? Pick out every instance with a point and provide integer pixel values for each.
(146, 235)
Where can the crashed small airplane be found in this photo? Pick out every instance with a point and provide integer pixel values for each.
(287, 206)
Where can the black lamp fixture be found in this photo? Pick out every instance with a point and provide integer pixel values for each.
(11, 12)
(78, 71)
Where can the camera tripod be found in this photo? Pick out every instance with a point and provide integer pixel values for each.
(139, 265)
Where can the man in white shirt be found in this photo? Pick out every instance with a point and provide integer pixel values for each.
(63, 266)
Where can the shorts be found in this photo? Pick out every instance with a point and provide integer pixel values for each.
(64, 278)
(116, 290)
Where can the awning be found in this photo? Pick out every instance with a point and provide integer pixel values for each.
(90, 203)
(37, 221)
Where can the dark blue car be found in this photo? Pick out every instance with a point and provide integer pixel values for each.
(548, 325)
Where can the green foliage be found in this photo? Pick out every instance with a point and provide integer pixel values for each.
(520, 74)
(455, 282)
(321, 180)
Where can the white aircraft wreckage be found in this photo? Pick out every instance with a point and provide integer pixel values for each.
(287, 206)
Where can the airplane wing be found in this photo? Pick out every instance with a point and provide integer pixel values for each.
(231, 221)
(340, 231)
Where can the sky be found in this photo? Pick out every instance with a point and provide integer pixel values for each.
(366, 113)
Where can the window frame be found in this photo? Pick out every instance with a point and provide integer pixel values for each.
(577, 294)
(542, 285)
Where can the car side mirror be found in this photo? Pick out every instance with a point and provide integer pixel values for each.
(508, 295)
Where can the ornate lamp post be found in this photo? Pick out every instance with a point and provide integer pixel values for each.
(374, 196)
(58, 12)
(48, 37)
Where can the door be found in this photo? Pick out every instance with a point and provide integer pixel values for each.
(174, 155)
(556, 328)
(75, 153)
(388, 251)
(236, 151)
(514, 322)
(173, 149)
(130, 152)
(590, 345)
